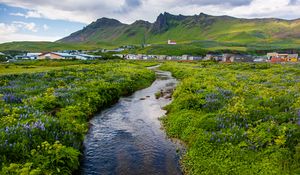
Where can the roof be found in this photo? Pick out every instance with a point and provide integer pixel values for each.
(87, 56)
(33, 54)
(63, 54)
(58, 54)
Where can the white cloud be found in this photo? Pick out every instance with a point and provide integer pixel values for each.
(7, 29)
(25, 37)
(11, 32)
(33, 14)
(17, 14)
(45, 27)
(29, 14)
(27, 26)
(130, 10)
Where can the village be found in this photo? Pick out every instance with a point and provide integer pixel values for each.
(119, 53)
(273, 57)
(89, 55)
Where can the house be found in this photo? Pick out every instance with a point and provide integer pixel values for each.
(28, 56)
(176, 58)
(276, 57)
(195, 58)
(170, 42)
(128, 47)
(21, 57)
(33, 56)
(243, 58)
(152, 57)
(228, 58)
(213, 57)
(184, 57)
(131, 57)
(191, 58)
(2, 53)
(259, 59)
(55, 55)
(139, 56)
(86, 57)
(113, 50)
(118, 55)
(162, 57)
(293, 57)
(270, 55)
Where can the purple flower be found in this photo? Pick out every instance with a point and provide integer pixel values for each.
(39, 125)
(11, 98)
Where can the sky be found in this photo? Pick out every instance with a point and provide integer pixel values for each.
(50, 20)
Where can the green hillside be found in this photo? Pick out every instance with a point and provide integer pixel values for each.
(212, 33)
(44, 46)
(185, 29)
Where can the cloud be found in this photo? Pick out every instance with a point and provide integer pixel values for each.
(7, 29)
(45, 27)
(11, 32)
(29, 14)
(15, 27)
(17, 14)
(294, 2)
(26, 37)
(216, 2)
(130, 5)
(23, 25)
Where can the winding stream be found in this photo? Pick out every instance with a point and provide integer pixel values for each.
(127, 138)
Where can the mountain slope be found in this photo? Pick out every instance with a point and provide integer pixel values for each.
(186, 29)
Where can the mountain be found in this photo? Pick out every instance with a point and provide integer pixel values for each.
(192, 33)
(187, 29)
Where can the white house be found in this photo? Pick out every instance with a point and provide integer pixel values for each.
(228, 58)
(162, 57)
(33, 56)
(114, 50)
(118, 55)
(170, 42)
(86, 57)
(131, 57)
(185, 57)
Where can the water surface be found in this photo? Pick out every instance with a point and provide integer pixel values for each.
(127, 138)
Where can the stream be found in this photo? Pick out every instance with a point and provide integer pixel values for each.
(128, 138)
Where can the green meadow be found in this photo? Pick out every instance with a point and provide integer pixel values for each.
(236, 118)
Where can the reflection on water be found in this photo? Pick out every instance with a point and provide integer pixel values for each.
(127, 138)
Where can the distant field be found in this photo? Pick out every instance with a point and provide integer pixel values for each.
(204, 47)
(35, 66)
(45, 46)
(190, 48)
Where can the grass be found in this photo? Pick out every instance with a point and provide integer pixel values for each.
(37, 66)
(45, 46)
(44, 115)
(7, 69)
(236, 118)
